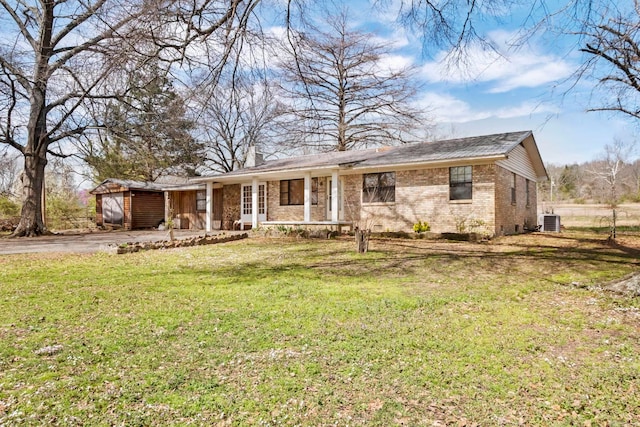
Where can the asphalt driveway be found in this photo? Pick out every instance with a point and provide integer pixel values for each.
(89, 242)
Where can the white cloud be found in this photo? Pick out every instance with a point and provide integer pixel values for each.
(449, 109)
(524, 109)
(394, 63)
(505, 69)
(396, 40)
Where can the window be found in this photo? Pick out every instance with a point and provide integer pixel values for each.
(460, 183)
(261, 200)
(379, 187)
(513, 188)
(292, 192)
(201, 200)
(246, 200)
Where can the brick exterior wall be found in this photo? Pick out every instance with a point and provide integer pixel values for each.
(230, 205)
(511, 217)
(352, 198)
(423, 195)
(275, 212)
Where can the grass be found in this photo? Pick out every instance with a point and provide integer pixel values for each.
(622, 229)
(286, 332)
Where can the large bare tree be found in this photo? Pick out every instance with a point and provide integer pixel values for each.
(56, 56)
(613, 57)
(234, 116)
(343, 89)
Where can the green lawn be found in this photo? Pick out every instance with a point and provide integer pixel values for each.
(284, 332)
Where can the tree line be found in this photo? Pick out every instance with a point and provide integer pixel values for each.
(612, 178)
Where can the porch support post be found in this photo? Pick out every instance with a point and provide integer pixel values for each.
(167, 202)
(334, 196)
(307, 197)
(254, 203)
(209, 209)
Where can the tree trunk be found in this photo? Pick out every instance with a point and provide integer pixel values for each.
(362, 240)
(31, 223)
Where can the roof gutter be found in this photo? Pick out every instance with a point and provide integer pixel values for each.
(433, 163)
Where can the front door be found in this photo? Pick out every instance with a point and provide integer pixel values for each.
(328, 201)
(246, 201)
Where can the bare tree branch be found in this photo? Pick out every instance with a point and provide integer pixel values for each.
(341, 94)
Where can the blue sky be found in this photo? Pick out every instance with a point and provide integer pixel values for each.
(520, 89)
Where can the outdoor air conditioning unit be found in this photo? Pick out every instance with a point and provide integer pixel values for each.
(549, 222)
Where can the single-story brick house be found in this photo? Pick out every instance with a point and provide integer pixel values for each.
(485, 184)
(129, 204)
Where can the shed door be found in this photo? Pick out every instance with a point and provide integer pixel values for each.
(113, 208)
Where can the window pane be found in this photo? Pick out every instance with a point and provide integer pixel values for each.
(371, 180)
(379, 187)
(284, 193)
(460, 183)
(296, 192)
(368, 195)
(388, 194)
(460, 192)
(261, 207)
(246, 200)
(387, 179)
(201, 200)
(460, 174)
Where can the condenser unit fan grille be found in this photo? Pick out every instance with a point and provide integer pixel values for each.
(549, 223)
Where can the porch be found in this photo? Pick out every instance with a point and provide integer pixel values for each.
(300, 200)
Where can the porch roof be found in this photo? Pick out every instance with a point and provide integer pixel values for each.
(487, 147)
(111, 185)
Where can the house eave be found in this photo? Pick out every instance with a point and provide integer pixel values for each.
(347, 170)
(530, 145)
(265, 175)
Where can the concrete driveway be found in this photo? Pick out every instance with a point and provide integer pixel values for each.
(89, 242)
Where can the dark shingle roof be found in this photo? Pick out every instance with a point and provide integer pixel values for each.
(176, 184)
(452, 149)
(108, 184)
(310, 161)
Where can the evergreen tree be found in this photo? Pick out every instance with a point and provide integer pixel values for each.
(147, 133)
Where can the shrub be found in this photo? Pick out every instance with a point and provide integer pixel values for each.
(421, 227)
(8, 208)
